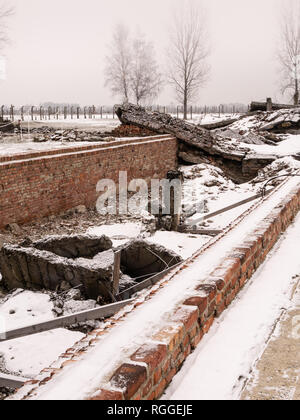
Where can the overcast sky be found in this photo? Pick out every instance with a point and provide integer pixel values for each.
(58, 48)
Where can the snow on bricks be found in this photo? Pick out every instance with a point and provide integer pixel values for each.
(149, 369)
(191, 321)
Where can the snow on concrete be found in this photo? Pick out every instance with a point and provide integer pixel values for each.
(29, 355)
(218, 368)
(96, 366)
(288, 147)
(119, 233)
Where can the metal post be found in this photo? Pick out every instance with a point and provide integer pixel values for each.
(116, 273)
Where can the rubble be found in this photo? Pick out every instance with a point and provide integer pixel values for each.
(82, 262)
(223, 147)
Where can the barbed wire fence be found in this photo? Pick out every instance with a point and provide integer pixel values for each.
(47, 113)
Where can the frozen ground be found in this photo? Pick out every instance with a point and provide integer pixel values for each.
(96, 366)
(207, 189)
(29, 355)
(222, 363)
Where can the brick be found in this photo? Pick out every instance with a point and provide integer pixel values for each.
(160, 389)
(171, 375)
(199, 301)
(220, 308)
(196, 340)
(157, 376)
(50, 182)
(129, 378)
(147, 388)
(175, 354)
(151, 354)
(187, 315)
(151, 396)
(210, 289)
(166, 367)
(208, 325)
(105, 395)
(170, 335)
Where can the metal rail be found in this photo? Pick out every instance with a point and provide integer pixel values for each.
(228, 208)
(11, 382)
(146, 283)
(65, 321)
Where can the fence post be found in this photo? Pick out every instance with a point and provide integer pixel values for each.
(2, 112)
(71, 113)
(269, 105)
(116, 273)
(12, 113)
(84, 112)
(22, 113)
(191, 112)
(78, 111)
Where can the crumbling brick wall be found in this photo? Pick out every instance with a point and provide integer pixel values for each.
(48, 183)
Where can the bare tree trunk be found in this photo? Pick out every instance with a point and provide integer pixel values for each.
(296, 96)
(185, 106)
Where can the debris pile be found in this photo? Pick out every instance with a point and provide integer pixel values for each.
(82, 262)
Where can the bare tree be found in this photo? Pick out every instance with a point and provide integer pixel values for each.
(5, 12)
(145, 79)
(187, 53)
(289, 51)
(118, 63)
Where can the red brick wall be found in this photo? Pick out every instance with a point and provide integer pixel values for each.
(36, 185)
(147, 372)
(165, 354)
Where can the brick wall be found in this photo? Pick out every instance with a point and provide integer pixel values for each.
(155, 363)
(148, 371)
(39, 184)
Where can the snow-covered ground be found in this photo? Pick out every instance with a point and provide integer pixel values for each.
(29, 355)
(217, 370)
(288, 147)
(96, 366)
(208, 189)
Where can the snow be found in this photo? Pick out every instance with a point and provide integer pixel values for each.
(96, 366)
(206, 183)
(28, 146)
(29, 355)
(10, 149)
(183, 244)
(119, 233)
(290, 146)
(218, 368)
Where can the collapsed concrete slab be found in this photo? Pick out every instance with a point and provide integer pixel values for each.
(75, 246)
(30, 268)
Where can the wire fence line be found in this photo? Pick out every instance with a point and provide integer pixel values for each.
(44, 113)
